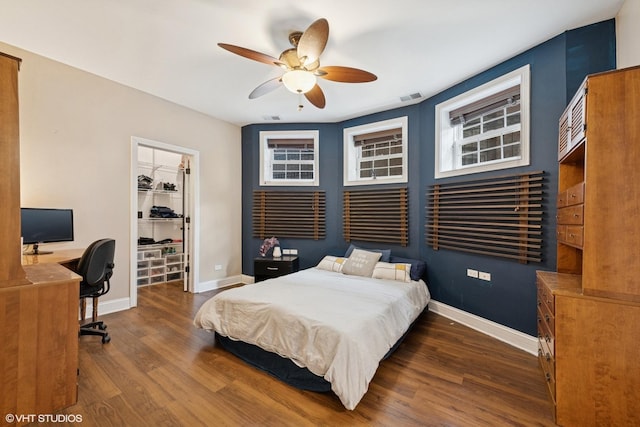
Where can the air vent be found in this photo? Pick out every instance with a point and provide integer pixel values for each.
(410, 97)
(271, 118)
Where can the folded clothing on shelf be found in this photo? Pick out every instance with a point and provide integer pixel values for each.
(163, 212)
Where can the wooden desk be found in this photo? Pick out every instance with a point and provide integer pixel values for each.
(65, 257)
(39, 335)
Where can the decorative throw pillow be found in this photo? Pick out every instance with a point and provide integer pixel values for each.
(385, 253)
(331, 263)
(399, 272)
(361, 263)
(418, 267)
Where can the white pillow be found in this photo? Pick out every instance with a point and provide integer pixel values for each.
(400, 272)
(331, 263)
(361, 263)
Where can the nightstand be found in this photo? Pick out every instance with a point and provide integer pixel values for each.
(268, 267)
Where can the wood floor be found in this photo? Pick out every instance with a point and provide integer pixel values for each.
(159, 370)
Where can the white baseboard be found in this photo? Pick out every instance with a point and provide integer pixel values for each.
(217, 284)
(107, 307)
(510, 336)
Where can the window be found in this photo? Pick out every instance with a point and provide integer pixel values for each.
(484, 129)
(376, 153)
(289, 158)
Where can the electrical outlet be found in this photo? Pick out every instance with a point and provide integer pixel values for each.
(218, 267)
(472, 273)
(484, 276)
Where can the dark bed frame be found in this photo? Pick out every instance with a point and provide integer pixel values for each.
(285, 369)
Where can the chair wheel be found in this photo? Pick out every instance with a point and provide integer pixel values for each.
(102, 327)
(106, 339)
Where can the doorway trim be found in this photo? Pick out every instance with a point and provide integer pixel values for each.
(194, 276)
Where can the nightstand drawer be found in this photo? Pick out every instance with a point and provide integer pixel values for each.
(266, 268)
(273, 268)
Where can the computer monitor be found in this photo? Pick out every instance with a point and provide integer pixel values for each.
(42, 225)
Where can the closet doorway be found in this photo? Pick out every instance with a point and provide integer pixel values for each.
(164, 183)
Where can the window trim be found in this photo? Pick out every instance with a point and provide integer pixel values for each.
(444, 131)
(265, 136)
(350, 152)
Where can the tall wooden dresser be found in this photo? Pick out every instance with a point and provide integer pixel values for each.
(589, 310)
(38, 303)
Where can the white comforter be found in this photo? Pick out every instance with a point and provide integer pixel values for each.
(337, 326)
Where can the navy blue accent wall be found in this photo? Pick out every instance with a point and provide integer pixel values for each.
(557, 67)
(581, 45)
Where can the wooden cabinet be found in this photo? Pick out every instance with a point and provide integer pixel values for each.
(266, 268)
(11, 272)
(38, 303)
(598, 197)
(572, 124)
(589, 310)
(39, 332)
(588, 350)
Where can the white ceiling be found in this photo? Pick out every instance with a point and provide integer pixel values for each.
(168, 47)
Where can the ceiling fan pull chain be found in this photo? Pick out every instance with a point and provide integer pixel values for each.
(300, 106)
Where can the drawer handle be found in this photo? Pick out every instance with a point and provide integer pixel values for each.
(547, 338)
(272, 268)
(548, 376)
(546, 318)
(576, 215)
(573, 195)
(547, 356)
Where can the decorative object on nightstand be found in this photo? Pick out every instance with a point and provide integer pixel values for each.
(267, 268)
(277, 252)
(268, 244)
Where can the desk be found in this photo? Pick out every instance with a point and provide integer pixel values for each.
(66, 257)
(69, 259)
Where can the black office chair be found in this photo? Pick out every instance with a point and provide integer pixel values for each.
(96, 268)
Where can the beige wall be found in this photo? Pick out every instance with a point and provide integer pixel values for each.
(75, 133)
(628, 34)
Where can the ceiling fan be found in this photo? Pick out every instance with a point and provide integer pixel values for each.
(301, 65)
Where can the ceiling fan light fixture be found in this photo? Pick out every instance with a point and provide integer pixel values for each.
(299, 81)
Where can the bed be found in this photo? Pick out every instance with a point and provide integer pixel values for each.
(329, 325)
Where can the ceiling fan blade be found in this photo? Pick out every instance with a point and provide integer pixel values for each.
(251, 54)
(313, 41)
(346, 74)
(316, 97)
(266, 87)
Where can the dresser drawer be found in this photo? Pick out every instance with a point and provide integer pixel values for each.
(571, 215)
(545, 333)
(575, 195)
(574, 235)
(546, 297)
(546, 322)
(547, 359)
